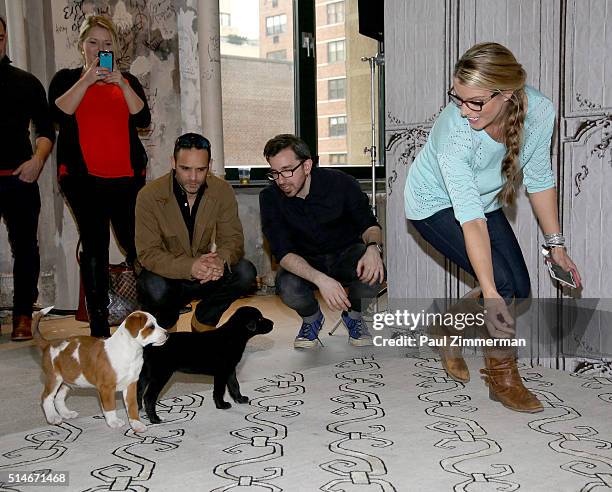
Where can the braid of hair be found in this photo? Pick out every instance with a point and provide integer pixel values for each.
(513, 133)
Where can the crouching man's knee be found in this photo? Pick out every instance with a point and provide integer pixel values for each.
(244, 275)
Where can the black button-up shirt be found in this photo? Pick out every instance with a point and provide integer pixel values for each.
(22, 99)
(187, 213)
(334, 215)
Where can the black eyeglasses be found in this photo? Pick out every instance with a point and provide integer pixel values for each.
(473, 105)
(285, 173)
(192, 141)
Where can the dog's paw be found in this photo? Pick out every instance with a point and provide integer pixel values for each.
(223, 405)
(115, 423)
(69, 414)
(242, 399)
(54, 419)
(154, 419)
(137, 425)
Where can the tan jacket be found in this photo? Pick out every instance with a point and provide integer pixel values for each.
(162, 239)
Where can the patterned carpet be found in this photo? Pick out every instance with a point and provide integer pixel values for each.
(364, 424)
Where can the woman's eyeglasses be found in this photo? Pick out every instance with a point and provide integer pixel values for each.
(285, 173)
(473, 105)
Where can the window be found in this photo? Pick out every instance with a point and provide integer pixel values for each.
(335, 12)
(335, 51)
(276, 24)
(224, 20)
(274, 3)
(343, 121)
(277, 55)
(337, 126)
(336, 89)
(337, 159)
(255, 87)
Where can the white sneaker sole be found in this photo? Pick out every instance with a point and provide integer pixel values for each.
(304, 343)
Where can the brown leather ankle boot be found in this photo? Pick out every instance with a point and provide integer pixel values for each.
(452, 357)
(453, 362)
(22, 328)
(506, 386)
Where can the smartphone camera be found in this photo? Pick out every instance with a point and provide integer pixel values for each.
(106, 59)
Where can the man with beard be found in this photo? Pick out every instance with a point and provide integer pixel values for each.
(324, 235)
(179, 217)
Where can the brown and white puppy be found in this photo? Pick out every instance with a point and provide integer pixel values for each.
(109, 365)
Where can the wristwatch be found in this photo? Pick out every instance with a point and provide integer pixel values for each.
(378, 246)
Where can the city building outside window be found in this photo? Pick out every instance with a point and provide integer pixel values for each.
(335, 51)
(337, 126)
(336, 88)
(335, 12)
(337, 159)
(277, 55)
(276, 24)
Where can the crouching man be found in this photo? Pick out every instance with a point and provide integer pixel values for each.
(178, 218)
(322, 232)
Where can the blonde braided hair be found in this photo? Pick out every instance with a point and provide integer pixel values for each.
(493, 67)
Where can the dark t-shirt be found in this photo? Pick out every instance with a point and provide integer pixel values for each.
(333, 216)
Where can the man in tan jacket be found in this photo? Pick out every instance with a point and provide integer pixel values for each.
(179, 217)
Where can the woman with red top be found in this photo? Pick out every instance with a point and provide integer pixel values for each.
(101, 161)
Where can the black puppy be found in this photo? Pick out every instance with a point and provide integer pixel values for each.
(215, 353)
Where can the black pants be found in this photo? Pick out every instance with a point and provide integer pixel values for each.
(298, 293)
(98, 203)
(164, 297)
(20, 207)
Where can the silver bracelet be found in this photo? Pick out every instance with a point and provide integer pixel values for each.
(555, 239)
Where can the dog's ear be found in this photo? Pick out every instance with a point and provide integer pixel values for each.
(136, 322)
(251, 325)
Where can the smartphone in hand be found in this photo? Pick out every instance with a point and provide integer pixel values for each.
(560, 275)
(106, 59)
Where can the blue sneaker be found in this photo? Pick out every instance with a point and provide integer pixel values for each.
(309, 333)
(359, 336)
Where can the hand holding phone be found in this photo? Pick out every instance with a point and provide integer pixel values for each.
(106, 60)
(569, 278)
(560, 275)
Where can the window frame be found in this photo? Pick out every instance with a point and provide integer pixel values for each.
(335, 5)
(335, 44)
(282, 27)
(330, 90)
(337, 124)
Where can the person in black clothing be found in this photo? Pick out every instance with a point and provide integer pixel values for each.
(323, 233)
(22, 99)
(101, 161)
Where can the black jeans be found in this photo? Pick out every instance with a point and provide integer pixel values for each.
(445, 234)
(20, 207)
(98, 203)
(298, 293)
(164, 297)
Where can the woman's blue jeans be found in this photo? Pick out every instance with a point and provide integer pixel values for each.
(445, 234)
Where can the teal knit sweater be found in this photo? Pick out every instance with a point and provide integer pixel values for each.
(461, 168)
